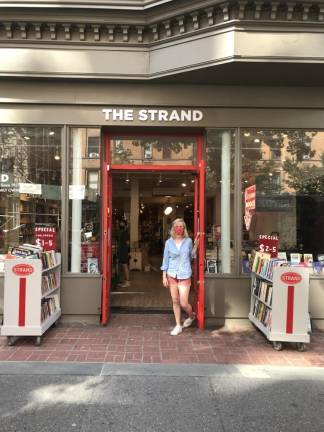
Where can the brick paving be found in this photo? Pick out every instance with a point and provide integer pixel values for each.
(145, 339)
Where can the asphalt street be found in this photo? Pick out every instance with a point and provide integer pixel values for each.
(40, 397)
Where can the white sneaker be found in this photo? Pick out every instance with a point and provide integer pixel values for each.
(176, 331)
(187, 323)
(124, 284)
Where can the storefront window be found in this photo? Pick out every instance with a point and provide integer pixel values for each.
(283, 193)
(219, 201)
(84, 201)
(153, 150)
(30, 187)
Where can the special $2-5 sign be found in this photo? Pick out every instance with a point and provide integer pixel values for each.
(21, 296)
(268, 244)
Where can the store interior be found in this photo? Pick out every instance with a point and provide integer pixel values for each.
(145, 204)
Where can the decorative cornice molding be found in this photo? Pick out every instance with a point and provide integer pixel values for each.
(103, 28)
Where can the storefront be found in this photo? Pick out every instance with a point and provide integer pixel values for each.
(146, 123)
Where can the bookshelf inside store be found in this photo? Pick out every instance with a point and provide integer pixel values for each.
(37, 275)
(269, 301)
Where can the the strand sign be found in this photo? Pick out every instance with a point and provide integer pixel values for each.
(152, 115)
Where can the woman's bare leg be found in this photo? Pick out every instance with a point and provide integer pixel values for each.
(175, 302)
(184, 299)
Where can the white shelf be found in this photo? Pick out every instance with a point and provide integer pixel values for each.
(262, 301)
(262, 277)
(31, 330)
(50, 320)
(259, 324)
(22, 315)
(56, 266)
(50, 292)
(289, 305)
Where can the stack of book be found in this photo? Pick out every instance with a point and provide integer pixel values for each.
(26, 250)
(262, 290)
(262, 313)
(49, 306)
(49, 282)
(48, 259)
(263, 265)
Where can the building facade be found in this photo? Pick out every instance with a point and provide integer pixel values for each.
(109, 108)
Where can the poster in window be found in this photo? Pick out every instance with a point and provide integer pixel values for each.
(92, 264)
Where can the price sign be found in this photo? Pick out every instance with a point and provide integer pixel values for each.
(269, 244)
(45, 236)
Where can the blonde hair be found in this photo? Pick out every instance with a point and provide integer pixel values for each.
(172, 232)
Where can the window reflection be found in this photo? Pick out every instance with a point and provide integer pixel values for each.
(84, 201)
(153, 150)
(30, 185)
(286, 169)
(219, 201)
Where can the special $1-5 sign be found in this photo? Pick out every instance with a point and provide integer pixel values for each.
(21, 295)
(45, 236)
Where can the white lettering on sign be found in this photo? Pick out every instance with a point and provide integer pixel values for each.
(4, 178)
(153, 115)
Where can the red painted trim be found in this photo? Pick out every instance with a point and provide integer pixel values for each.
(107, 214)
(201, 264)
(104, 172)
(195, 263)
(290, 309)
(132, 167)
(22, 302)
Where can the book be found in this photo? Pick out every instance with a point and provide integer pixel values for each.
(92, 265)
(317, 267)
(211, 266)
(320, 258)
(308, 259)
(246, 266)
(282, 255)
(295, 258)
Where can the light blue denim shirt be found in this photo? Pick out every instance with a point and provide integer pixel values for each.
(177, 262)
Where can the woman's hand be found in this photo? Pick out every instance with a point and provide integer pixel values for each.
(165, 281)
(196, 242)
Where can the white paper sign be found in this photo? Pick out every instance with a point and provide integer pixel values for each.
(30, 188)
(77, 192)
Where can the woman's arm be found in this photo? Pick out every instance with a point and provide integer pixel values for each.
(195, 246)
(165, 264)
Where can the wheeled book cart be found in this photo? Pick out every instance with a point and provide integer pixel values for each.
(31, 296)
(279, 302)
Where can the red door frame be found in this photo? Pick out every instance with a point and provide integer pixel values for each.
(199, 218)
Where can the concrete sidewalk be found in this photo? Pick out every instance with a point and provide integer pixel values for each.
(145, 339)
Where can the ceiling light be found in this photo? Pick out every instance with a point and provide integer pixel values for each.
(127, 179)
(184, 184)
(57, 157)
(247, 134)
(256, 140)
(51, 133)
(168, 210)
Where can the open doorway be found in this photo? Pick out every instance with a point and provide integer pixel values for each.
(143, 205)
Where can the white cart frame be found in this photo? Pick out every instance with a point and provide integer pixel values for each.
(289, 307)
(23, 296)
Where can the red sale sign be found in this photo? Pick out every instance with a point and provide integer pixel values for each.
(45, 236)
(249, 205)
(269, 244)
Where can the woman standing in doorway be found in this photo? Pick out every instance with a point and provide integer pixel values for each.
(176, 267)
